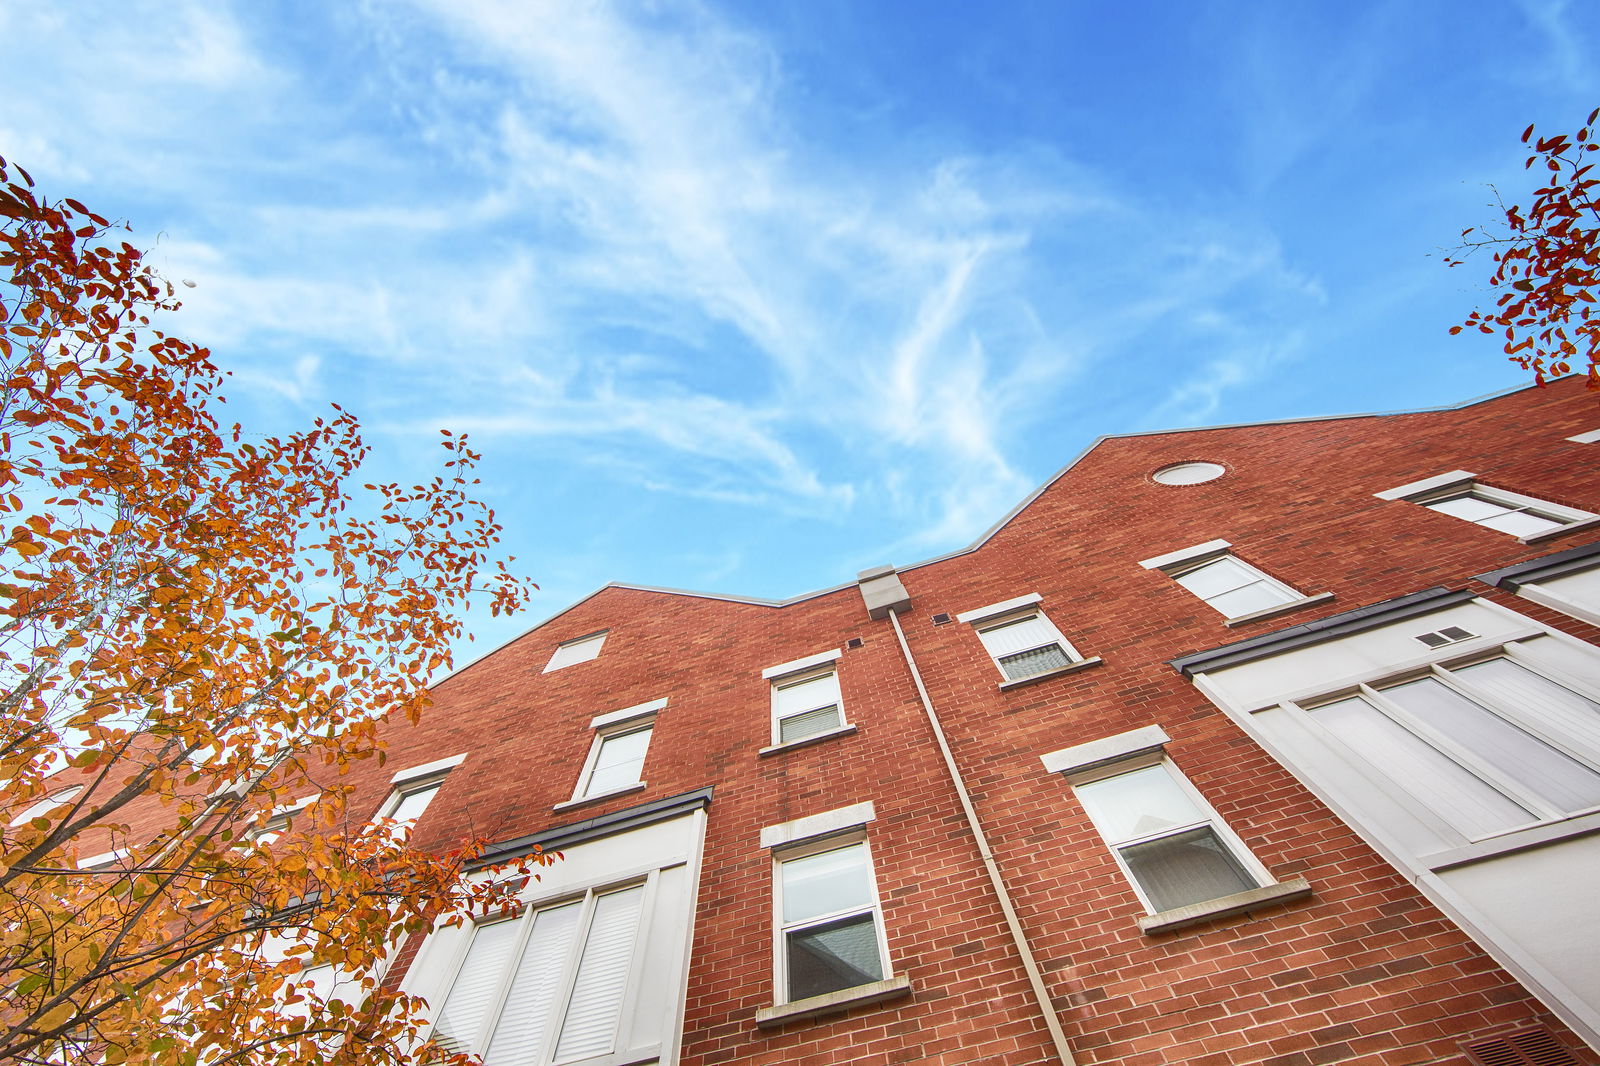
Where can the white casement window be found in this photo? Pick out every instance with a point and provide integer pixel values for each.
(1020, 639)
(828, 921)
(413, 789)
(1488, 744)
(553, 985)
(574, 652)
(1232, 586)
(1172, 846)
(616, 757)
(1458, 495)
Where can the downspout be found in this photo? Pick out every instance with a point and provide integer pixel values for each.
(885, 596)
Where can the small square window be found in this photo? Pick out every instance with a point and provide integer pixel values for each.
(806, 704)
(1232, 586)
(1459, 495)
(574, 652)
(616, 758)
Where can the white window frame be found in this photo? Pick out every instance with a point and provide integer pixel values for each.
(804, 849)
(609, 726)
(575, 651)
(569, 972)
(60, 797)
(799, 673)
(1585, 751)
(1010, 612)
(1188, 560)
(1209, 818)
(428, 777)
(1459, 484)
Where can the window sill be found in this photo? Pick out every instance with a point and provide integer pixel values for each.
(1570, 527)
(1524, 839)
(804, 742)
(581, 800)
(1223, 906)
(1282, 608)
(1070, 668)
(833, 1003)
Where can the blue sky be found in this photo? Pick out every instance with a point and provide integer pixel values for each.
(745, 298)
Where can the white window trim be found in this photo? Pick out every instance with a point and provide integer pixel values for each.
(810, 668)
(783, 670)
(1463, 483)
(1018, 610)
(1536, 592)
(828, 823)
(551, 664)
(1185, 560)
(1210, 818)
(780, 952)
(1590, 437)
(438, 767)
(615, 724)
(1187, 555)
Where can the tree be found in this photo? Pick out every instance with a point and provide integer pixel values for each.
(197, 630)
(1547, 263)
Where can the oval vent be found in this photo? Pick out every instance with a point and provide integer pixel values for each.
(1189, 473)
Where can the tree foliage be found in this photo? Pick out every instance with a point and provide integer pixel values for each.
(1547, 262)
(198, 632)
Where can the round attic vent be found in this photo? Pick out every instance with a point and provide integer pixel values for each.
(1189, 473)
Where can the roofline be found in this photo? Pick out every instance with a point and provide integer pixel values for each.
(984, 537)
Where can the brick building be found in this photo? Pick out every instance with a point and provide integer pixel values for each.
(1272, 743)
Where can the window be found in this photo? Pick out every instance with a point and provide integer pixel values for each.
(552, 985)
(1458, 495)
(1020, 639)
(1488, 744)
(806, 705)
(574, 652)
(407, 804)
(616, 758)
(1233, 587)
(1169, 842)
(829, 929)
(46, 805)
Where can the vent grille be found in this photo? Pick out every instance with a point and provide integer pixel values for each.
(853, 642)
(1533, 1046)
(1447, 635)
(940, 619)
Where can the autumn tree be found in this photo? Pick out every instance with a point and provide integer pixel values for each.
(202, 633)
(1547, 262)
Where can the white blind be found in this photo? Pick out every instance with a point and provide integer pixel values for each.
(524, 1023)
(1012, 637)
(577, 651)
(808, 695)
(475, 987)
(590, 1025)
(412, 804)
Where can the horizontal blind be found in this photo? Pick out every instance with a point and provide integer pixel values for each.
(1021, 635)
(590, 1025)
(479, 978)
(523, 1029)
(807, 723)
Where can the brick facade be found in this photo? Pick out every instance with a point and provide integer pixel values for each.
(1365, 971)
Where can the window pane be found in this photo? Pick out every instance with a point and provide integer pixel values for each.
(1521, 523)
(1540, 697)
(1216, 577)
(412, 804)
(524, 1024)
(1256, 597)
(819, 691)
(825, 883)
(808, 723)
(619, 763)
(1563, 781)
(1185, 868)
(1460, 798)
(1469, 507)
(1037, 661)
(841, 954)
(590, 1027)
(473, 993)
(1137, 804)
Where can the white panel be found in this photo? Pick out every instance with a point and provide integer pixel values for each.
(649, 1022)
(1427, 484)
(438, 766)
(1161, 562)
(801, 664)
(1017, 636)
(978, 614)
(476, 986)
(590, 1025)
(1121, 746)
(816, 825)
(524, 1025)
